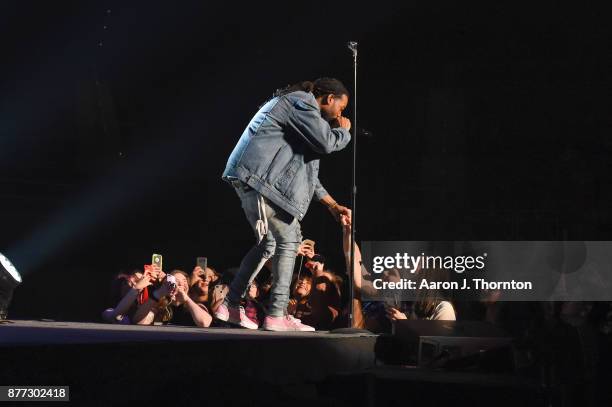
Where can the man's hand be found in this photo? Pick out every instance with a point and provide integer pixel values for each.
(338, 211)
(344, 122)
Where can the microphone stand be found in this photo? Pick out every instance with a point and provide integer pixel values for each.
(352, 45)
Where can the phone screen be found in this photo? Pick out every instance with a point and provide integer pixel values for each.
(157, 260)
(202, 262)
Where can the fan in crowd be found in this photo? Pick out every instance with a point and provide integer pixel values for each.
(374, 315)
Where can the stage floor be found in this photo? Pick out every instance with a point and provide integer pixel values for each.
(21, 332)
(101, 362)
(106, 364)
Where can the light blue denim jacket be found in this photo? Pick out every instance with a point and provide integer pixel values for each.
(278, 153)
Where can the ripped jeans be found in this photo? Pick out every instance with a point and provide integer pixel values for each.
(280, 244)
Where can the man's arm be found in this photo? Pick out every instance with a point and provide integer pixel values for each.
(320, 192)
(305, 118)
(326, 199)
(336, 209)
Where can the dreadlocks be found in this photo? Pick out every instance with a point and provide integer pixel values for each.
(320, 87)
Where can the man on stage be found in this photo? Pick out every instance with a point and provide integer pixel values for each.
(274, 170)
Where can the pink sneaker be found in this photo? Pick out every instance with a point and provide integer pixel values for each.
(285, 324)
(222, 313)
(238, 316)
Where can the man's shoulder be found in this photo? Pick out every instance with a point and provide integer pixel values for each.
(300, 95)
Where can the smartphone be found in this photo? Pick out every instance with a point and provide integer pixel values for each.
(202, 262)
(171, 280)
(157, 260)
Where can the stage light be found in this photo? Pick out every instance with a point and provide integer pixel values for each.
(9, 279)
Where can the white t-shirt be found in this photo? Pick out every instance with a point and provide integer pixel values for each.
(444, 312)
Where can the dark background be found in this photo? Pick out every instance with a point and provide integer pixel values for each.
(489, 121)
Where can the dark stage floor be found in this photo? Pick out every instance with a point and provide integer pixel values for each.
(190, 366)
(55, 332)
(119, 365)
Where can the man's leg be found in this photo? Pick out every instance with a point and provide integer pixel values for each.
(288, 235)
(281, 243)
(251, 264)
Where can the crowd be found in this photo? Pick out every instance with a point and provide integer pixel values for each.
(192, 299)
(152, 296)
(319, 299)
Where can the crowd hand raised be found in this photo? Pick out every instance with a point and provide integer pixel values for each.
(144, 281)
(292, 306)
(172, 295)
(338, 211)
(181, 294)
(167, 288)
(197, 272)
(345, 221)
(305, 250)
(394, 314)
(158, 273)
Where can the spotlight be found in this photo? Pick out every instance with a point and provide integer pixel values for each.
(9, 279)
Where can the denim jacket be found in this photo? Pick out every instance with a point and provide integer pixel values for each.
(278, 153)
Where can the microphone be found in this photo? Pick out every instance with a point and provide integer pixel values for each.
(364, 132)
(360, 130)
(352, 45)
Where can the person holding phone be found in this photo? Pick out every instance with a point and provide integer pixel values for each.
(274, 170)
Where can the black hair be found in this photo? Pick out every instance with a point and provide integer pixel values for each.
(318, 257)
(320, 87)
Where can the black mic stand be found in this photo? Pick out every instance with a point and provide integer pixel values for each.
(350, 329)
(353, 47)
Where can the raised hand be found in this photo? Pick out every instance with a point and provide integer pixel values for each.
(158, 274)
(181, 294)
(305, 250)
(338, 210)
(394, 314)
(144, 281)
